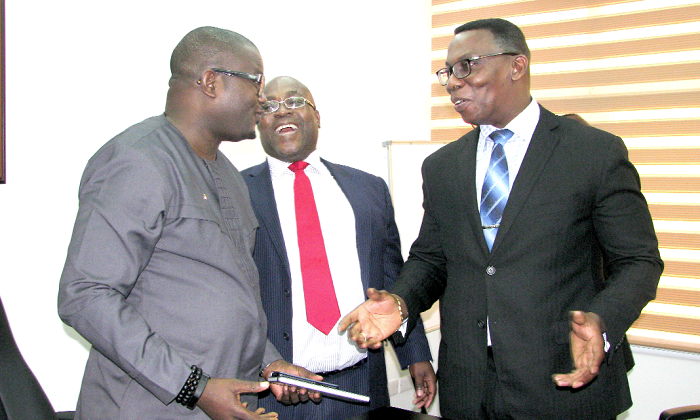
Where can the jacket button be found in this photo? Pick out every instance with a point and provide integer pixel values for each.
(285, 336)
(287, 293)
(490, 270)
(481, 323)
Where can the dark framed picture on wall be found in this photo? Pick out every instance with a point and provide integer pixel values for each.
(3, 155)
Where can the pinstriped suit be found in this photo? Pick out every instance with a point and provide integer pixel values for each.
(380, 261)
(576, 197)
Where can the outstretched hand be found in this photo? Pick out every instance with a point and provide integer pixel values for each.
(587, 350)
(221, 400)
(374, 320)
(290, 394)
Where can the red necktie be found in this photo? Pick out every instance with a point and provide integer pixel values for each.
(321, 303)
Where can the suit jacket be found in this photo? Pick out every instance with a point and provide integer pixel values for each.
(379, 253)
(575, 198)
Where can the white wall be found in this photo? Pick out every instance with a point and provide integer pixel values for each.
(80, 71)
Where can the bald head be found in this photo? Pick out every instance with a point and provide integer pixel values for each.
(288, 84)
(204, 48)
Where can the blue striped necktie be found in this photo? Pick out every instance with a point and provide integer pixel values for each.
(496, 187)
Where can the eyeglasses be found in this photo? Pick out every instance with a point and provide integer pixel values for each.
(463, 68)
(257, 78)
(291, 103)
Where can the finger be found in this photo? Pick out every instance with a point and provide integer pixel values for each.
(294, 398)
(355, 334)
(430, 389)
(348, 320)
(575, 379)
(303, 397)
(429, 400)
(373, 343)
(561, 379)
(420, 397)
(282, 393)
(289, 394)
(315, 397)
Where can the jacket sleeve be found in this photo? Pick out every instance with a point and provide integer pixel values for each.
(423, 277)
(626, 236)
(119, 221)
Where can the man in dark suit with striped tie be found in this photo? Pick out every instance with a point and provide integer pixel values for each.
(518, 213)
(326, 234)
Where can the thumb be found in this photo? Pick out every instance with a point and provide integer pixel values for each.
(374, 294)
(578, 317)
(255, 387)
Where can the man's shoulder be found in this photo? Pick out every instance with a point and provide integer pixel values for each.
(149, 140)
(584, 138)
(572, 127)
(455, 149)
(138, 132)
(254, 170)
(340, 169)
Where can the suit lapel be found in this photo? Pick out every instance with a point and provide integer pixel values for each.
(542, 145)
(465, 181)
(353, 192)
(264, 202)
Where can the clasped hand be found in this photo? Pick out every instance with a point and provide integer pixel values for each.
(290, 394)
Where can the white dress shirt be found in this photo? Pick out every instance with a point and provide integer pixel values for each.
(522, 126)
(312, 349)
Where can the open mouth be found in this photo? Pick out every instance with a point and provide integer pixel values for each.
(460, 104)
(286, 128)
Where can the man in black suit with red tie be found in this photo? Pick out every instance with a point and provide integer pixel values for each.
(518, 213)
(320, 220)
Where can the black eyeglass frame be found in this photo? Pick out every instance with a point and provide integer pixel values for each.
(257, 78)
(306, 101)
(450, 70)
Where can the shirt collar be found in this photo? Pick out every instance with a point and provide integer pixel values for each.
(281, 168)
(523, 126)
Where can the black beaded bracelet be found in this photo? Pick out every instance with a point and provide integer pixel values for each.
(198, 392)
(192, 390)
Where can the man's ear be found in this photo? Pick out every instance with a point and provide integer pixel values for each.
(520, 65)
(207, 83)
(318, 118)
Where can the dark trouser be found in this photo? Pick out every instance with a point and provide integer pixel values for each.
(492, 404)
